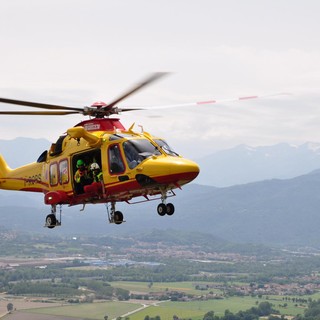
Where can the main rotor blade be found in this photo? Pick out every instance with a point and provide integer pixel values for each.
(153, 77)
(39, 105)
(211, 102)
(38, 113)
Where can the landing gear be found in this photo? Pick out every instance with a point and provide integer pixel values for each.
(118, 217)
(51, 219)
(113, 215)
(164, 208)
(170, 209)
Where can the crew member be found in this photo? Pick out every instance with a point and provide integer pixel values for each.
(81, 177)
(96, 172)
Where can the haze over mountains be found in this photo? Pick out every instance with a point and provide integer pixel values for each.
(21, 151)
(243, 164)
(274, 211)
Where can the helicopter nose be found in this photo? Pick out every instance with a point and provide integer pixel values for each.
(167, 170)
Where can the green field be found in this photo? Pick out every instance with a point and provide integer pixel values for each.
(196, 309)
(90, 310)
(187, 287)
(166, 309)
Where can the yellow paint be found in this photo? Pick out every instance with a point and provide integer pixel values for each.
(36, 176)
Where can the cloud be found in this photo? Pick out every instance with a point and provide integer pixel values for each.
(95, 50)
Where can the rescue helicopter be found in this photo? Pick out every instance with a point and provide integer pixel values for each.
(100, 161)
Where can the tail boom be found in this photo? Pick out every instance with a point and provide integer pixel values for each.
(26, 178)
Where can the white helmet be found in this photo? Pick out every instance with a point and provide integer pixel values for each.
(94, 166)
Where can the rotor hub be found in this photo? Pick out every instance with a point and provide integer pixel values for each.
(99, 104)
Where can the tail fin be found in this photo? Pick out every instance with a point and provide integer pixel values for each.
(4, 168)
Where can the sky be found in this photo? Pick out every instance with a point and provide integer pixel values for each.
(74, 53)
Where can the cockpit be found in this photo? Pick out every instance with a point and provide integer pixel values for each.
(135, 151)
(165, 147)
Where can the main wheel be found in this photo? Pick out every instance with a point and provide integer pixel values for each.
(51, 221)
(162, 209)
(118, 217)
(170, 209)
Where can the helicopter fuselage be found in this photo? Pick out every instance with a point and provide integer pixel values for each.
(131, 165)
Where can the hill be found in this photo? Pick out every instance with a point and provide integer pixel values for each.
(273, 212)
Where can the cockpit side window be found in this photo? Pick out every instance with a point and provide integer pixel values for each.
(166, 148)
(116, 164)
(136, 150)
(132, 154)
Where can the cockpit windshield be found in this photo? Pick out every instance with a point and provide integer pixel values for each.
(166, 148)
(136, 150)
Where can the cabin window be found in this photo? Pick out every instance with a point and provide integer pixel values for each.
(53, 174)
(116, 164)
(63, 172)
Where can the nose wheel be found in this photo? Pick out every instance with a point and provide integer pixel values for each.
(164, 209)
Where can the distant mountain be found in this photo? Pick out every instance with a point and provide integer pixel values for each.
(244, 164)
(273, 212)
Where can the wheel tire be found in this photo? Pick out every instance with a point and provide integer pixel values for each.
(162, 209)
(170, 209)
(51, 221)
(118, 217)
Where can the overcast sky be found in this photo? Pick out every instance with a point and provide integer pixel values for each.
(77, 52)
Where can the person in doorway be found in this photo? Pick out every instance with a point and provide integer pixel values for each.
(96, 173)
(81, 176)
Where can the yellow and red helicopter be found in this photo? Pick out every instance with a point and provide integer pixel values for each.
(99, 161)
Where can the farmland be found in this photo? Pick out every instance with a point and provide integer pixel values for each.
(136, 277)
(164, 309)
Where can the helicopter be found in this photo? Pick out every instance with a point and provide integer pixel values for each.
(100, 161)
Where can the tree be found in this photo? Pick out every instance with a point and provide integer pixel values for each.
(209, 315)
(265, 308)
(106, 317)
(10, 307)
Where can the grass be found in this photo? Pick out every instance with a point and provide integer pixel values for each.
(90, 310)
(196, 309)
(166, 310)
(187, 287)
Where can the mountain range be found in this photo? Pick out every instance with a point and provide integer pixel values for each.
(278, 212)
(244, 164)
(274, 212)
